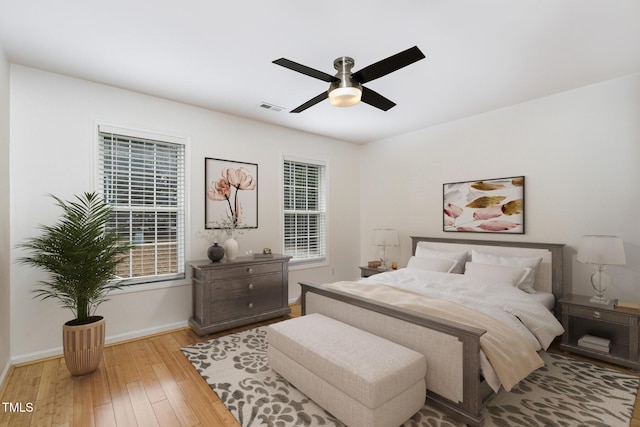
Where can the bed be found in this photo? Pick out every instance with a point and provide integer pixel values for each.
(459, 374)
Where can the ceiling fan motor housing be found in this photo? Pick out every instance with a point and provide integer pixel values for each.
(347, 90)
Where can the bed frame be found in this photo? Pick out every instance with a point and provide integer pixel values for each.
(452, 350)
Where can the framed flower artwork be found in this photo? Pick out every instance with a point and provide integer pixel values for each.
(231, 194)
(486, 206)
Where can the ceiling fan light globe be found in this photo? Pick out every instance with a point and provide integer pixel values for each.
(345, 96)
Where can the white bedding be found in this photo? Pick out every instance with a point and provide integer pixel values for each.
(545, 298)
(514, 307)
(531, 319)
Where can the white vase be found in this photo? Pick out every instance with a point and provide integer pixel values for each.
(231, 249)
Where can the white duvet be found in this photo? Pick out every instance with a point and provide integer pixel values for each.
(532, 320)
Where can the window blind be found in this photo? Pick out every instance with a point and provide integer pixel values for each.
(143, 180)
(304, 211)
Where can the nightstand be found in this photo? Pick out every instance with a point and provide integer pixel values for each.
(370, 271)
(581, 317)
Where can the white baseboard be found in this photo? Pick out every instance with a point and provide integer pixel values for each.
(146, 332)
(4, 373)
(295, 300)
(36, 355)
(113, 339)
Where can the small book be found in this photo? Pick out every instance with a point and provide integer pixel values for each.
(595, 343)
(594, 347)
(627, 305)
(603, 342)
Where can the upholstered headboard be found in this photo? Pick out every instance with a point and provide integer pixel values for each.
(549, 278)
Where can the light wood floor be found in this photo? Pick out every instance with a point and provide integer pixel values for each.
(145, 382)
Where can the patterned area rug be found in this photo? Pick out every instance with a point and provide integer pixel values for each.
(565, 392)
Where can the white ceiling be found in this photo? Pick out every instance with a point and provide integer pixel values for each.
(480, 55)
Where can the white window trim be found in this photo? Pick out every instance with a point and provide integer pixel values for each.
(306, 264)
(162, 135)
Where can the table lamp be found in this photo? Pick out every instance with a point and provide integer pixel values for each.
(602, 251)
(385, 237)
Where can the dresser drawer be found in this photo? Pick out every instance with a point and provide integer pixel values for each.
(603, 315)
(245, 306)
(238, 271)
(245, 286)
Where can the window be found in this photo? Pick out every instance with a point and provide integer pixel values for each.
(304, 210)
(143, 180)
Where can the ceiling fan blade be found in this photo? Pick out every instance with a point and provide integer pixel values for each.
(388, 65)
(305, 70)
(310, 103)
(374, 99)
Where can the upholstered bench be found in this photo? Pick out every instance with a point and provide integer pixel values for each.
(360, 378)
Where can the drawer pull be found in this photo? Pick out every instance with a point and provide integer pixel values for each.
(596, 314)
(250, 305)
(250, 270)
(251, 286)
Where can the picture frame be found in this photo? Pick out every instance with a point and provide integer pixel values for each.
(484, 206)
(231, 194)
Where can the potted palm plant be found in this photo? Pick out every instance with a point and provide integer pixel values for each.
(81, 256)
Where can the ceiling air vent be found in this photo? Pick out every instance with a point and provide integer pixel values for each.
(271, 107)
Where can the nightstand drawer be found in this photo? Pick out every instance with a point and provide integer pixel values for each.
(602, 315)
(369, 271)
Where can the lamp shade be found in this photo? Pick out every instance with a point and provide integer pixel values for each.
(345, 96)
(601, 250)
(385, 237)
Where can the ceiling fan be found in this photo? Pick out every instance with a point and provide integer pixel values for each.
(345, 88)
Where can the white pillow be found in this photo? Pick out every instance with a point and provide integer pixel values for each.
(499, 273)
(528, 284)
(432, 264)
(459, 257)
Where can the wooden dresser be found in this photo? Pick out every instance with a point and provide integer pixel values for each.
(227, 294)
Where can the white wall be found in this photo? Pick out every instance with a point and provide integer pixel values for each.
(579, 152)
(53, 151)
(5, 244)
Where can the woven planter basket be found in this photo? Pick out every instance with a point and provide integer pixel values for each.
(83, 345)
